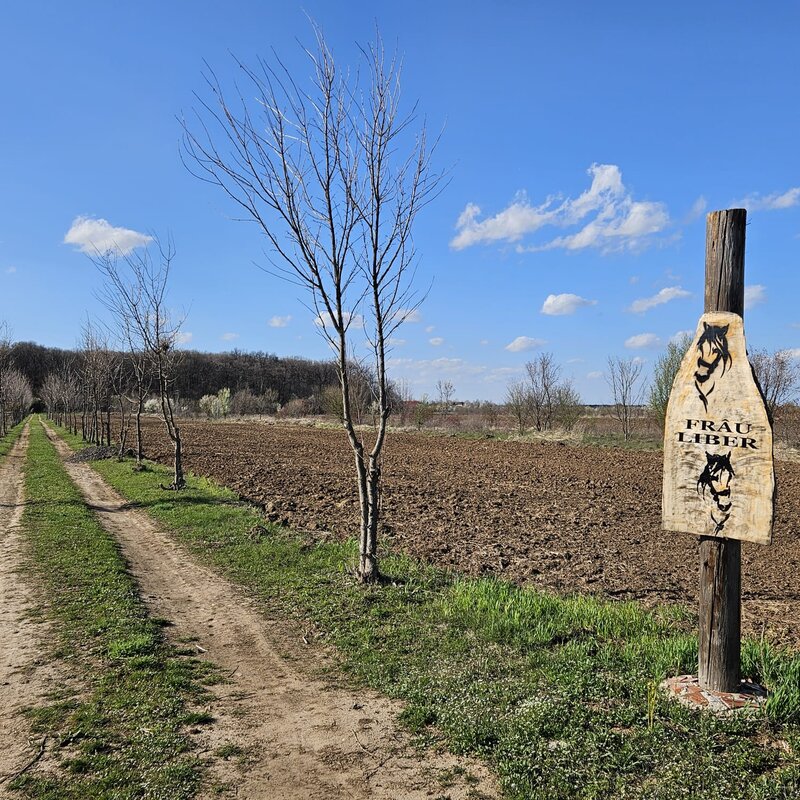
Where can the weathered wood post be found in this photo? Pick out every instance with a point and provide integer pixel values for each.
(721, 559)
(719, 478)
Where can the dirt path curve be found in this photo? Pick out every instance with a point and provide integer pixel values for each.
(27, 674)
(304, 738)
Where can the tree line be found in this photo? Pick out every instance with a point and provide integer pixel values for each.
(16, 394)
(543, 400)
(198, 373)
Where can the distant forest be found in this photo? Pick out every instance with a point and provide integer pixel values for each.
(200, 374)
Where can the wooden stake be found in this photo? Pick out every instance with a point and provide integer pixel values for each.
(721, 559)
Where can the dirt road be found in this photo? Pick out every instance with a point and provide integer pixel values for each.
(27, 674)
(303, 737)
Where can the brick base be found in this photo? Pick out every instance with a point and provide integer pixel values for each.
(686, 689)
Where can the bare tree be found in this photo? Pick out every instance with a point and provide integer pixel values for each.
(423, 412)
(626, 390)
(319, 170)
(778, 375)
(121, 383)
(567, 405)
(543, 375)
(446, 391)
(50, 395)
(95, 378)
(5, 365)
(664, 373)
(61, 393)
(518, 402)
(17, 395)
(404, 399)
(490, 412)
(135, 291)
(363, 390)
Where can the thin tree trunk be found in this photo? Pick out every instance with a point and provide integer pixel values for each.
(174, 433)
(139, 453)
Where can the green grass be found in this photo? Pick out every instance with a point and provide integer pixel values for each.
(121, 731)
(635, 442)
(557, 694)
(10, 439)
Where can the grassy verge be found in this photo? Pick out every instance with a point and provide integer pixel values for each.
(559, 695)
(121, 732)
(636, 441)
(10, 439)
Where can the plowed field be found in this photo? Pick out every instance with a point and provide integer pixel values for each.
(561, 517)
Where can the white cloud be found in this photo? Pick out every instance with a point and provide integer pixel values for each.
(421, 370)
(502, 373)
(633, 280)
(229, 337)
(184, 337)
(678, 335)
(393, 341)
(11, 270)
(697, 210)
(408, 315)
(664, 296)
(623, 229)
(430, 329)
(770, 202)
(95, 236)
(484, 342)
(350, 320)
(754, 295)
(639, 360)
(510, 225)
(561, 304)
(611, 218)
(280, 322)
(642, 340)
(436, 367)
(592, 376)
(575, 361)
(523, 343)
(436, 341)
(791, 352)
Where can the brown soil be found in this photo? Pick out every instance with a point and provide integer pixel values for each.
(27, 672)
(566, 518)
(303, 736)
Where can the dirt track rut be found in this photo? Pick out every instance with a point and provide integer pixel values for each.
(27, 674)
(304, 738)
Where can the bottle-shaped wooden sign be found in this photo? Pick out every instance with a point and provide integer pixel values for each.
(719, 478)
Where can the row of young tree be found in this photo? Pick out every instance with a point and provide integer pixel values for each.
(16, 395)
(102, 379)
(98, 382)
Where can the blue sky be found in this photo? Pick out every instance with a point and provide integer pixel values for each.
(584, 143)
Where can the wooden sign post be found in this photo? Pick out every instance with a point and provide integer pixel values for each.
(719, 479)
